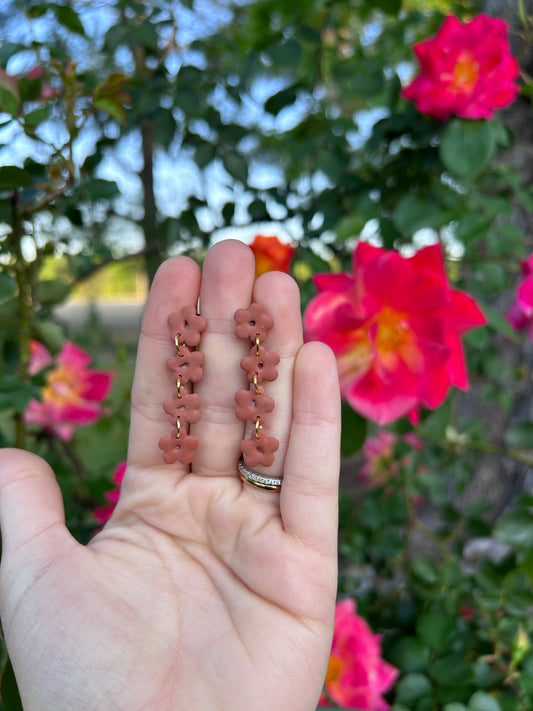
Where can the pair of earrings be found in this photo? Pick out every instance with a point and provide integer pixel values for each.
(252, 325)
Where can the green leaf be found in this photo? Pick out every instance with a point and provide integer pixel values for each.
(286, 97)
(9, 689)
(236, 166)
(466, 147)
(410, 655)
(69, 18)
(286, 54)
(481, 701)
(351, 226)
(392, 7)
(165, 127)
(424, 569)
(189, 77)
(499, 323)
(8, 287)
(515, 528)
(455, 707)
(413, 212)
(204, 154)
(228, 211)
(12, 177)
(353, 433)
(7, 50)
(37, 116)
(451, 670)
(412, 687)
(100, 189)
(111, 95)
(368, 80)
(433, 628)
(258, 211)
(146, 34)
(331, 164)
(37, 10)
(9, 97)
(112, 107)
(520, 435)
(49, 334)
(51, 292)
(9, 321)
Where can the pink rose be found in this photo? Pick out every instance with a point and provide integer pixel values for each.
(357, 676)
(395, 327)
(520, 313)
(465, 70)
(378, 453)
(103, 513)
(73, 392)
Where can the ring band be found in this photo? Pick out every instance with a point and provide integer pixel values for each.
(268, 483)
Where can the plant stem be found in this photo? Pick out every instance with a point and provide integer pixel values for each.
(23, 275)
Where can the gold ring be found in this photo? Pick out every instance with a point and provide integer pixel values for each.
(250, 476)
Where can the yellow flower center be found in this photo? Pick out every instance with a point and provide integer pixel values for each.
(392, 330)
(334, 670)
(465, 72)
(62, 385)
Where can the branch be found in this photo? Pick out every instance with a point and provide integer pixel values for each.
(47, 199)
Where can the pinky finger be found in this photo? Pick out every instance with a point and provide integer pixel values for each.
(309, 496)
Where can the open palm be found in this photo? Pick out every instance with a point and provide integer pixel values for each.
(202, 592)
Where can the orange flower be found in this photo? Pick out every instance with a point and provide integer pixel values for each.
(271, 255)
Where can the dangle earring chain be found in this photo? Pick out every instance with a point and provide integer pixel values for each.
(184, 407)
(253, 404)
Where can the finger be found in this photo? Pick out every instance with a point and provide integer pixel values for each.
(176, 284)
(309, 495)
(280, 296)
(30, 505)
(227, 282)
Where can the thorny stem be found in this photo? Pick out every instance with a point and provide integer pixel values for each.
(23, 275)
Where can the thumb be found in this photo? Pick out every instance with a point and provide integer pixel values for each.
(30, 503)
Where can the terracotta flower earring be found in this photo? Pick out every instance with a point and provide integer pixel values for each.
(186, 327)
(253, 324)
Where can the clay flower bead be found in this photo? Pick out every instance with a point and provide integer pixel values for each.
(189, 365)
(188, 324)
(178, 450)
(252, 405)
(263, 364)
(186, 407)
(259, 450)
(252, 321)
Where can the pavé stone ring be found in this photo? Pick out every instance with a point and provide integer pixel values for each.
(260, 481)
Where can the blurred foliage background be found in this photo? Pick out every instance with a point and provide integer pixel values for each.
(131, 131)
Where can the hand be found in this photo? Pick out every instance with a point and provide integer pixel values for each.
(202, 593)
